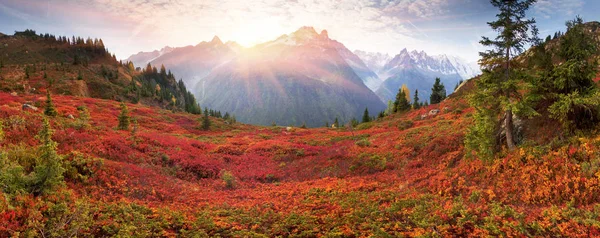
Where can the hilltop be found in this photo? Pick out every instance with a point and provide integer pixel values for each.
(34, 64)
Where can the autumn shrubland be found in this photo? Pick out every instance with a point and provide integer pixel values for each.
(81, 172)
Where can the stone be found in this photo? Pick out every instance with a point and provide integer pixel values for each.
(70, 116)
(423, 116)
(434, 112)
(14, 94)
(27, 106)
(289, 128)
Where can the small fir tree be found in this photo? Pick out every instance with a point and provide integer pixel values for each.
(124, 118)
(49, 109)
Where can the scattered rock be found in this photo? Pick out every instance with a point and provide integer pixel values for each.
(434, 112)
(289, 128)
(446, 109)
(333, 126)
(423, 116)
(14, 94)
(70, 116)
(27, 106)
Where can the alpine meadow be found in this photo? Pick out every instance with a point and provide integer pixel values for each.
(277, 118)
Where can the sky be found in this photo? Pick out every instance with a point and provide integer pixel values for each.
(452, 27)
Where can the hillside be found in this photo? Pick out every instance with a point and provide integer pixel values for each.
(33, 64)
(103, 168)
(402, 176)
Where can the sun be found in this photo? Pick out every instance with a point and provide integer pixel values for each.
(257, 31)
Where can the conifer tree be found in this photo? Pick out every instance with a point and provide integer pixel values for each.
(124, 118)
(205, 120)
(569, 86)
(49, 109)
(336, 123)
(498, 88)
(416, 104)
(406, 92)
(438, 92)
(48, 171)
(401, 104)
(366, 118)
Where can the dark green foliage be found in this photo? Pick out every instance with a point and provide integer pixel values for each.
(205, 120)
(569, 87)
(79, 76)
(438, 92)
(36, 171)
(401, 104)
(336, 123)
(366, 117)
(49, 110)
(124, 118)
(303, 125)
(48, 170)
(416, 104)
(498, 93)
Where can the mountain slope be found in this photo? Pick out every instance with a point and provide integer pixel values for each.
(141, 59)
(193, 63)
(33, 64)
(298, 78)
(418, 70)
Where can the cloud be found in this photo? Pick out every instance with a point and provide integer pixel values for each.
(136, 25)
(549, 8)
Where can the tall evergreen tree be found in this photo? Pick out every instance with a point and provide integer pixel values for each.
(401, 104)
(205, 120)
(124, 118)
(498, 95)
(49, 109)
(366, 117)
(336, 123)
(438, 92)
(416, 104)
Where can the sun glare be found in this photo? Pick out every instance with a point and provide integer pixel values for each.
(257, 31)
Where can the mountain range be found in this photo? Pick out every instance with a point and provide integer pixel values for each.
(303, 77)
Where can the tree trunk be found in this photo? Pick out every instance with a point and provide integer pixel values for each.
(508, 126)
(508, 121)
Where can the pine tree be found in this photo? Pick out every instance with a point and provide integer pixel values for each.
(498, 88)
(48, 172)
(569, 86)
(401, 104)
(416, 104)
(124, 118)
(336, 123)
(438, 92)
(49, 109)
(366, 118)
(205, 120)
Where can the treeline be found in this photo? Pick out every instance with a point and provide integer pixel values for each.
(554, 81)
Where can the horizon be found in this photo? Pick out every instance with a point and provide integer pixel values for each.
(129, 27)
